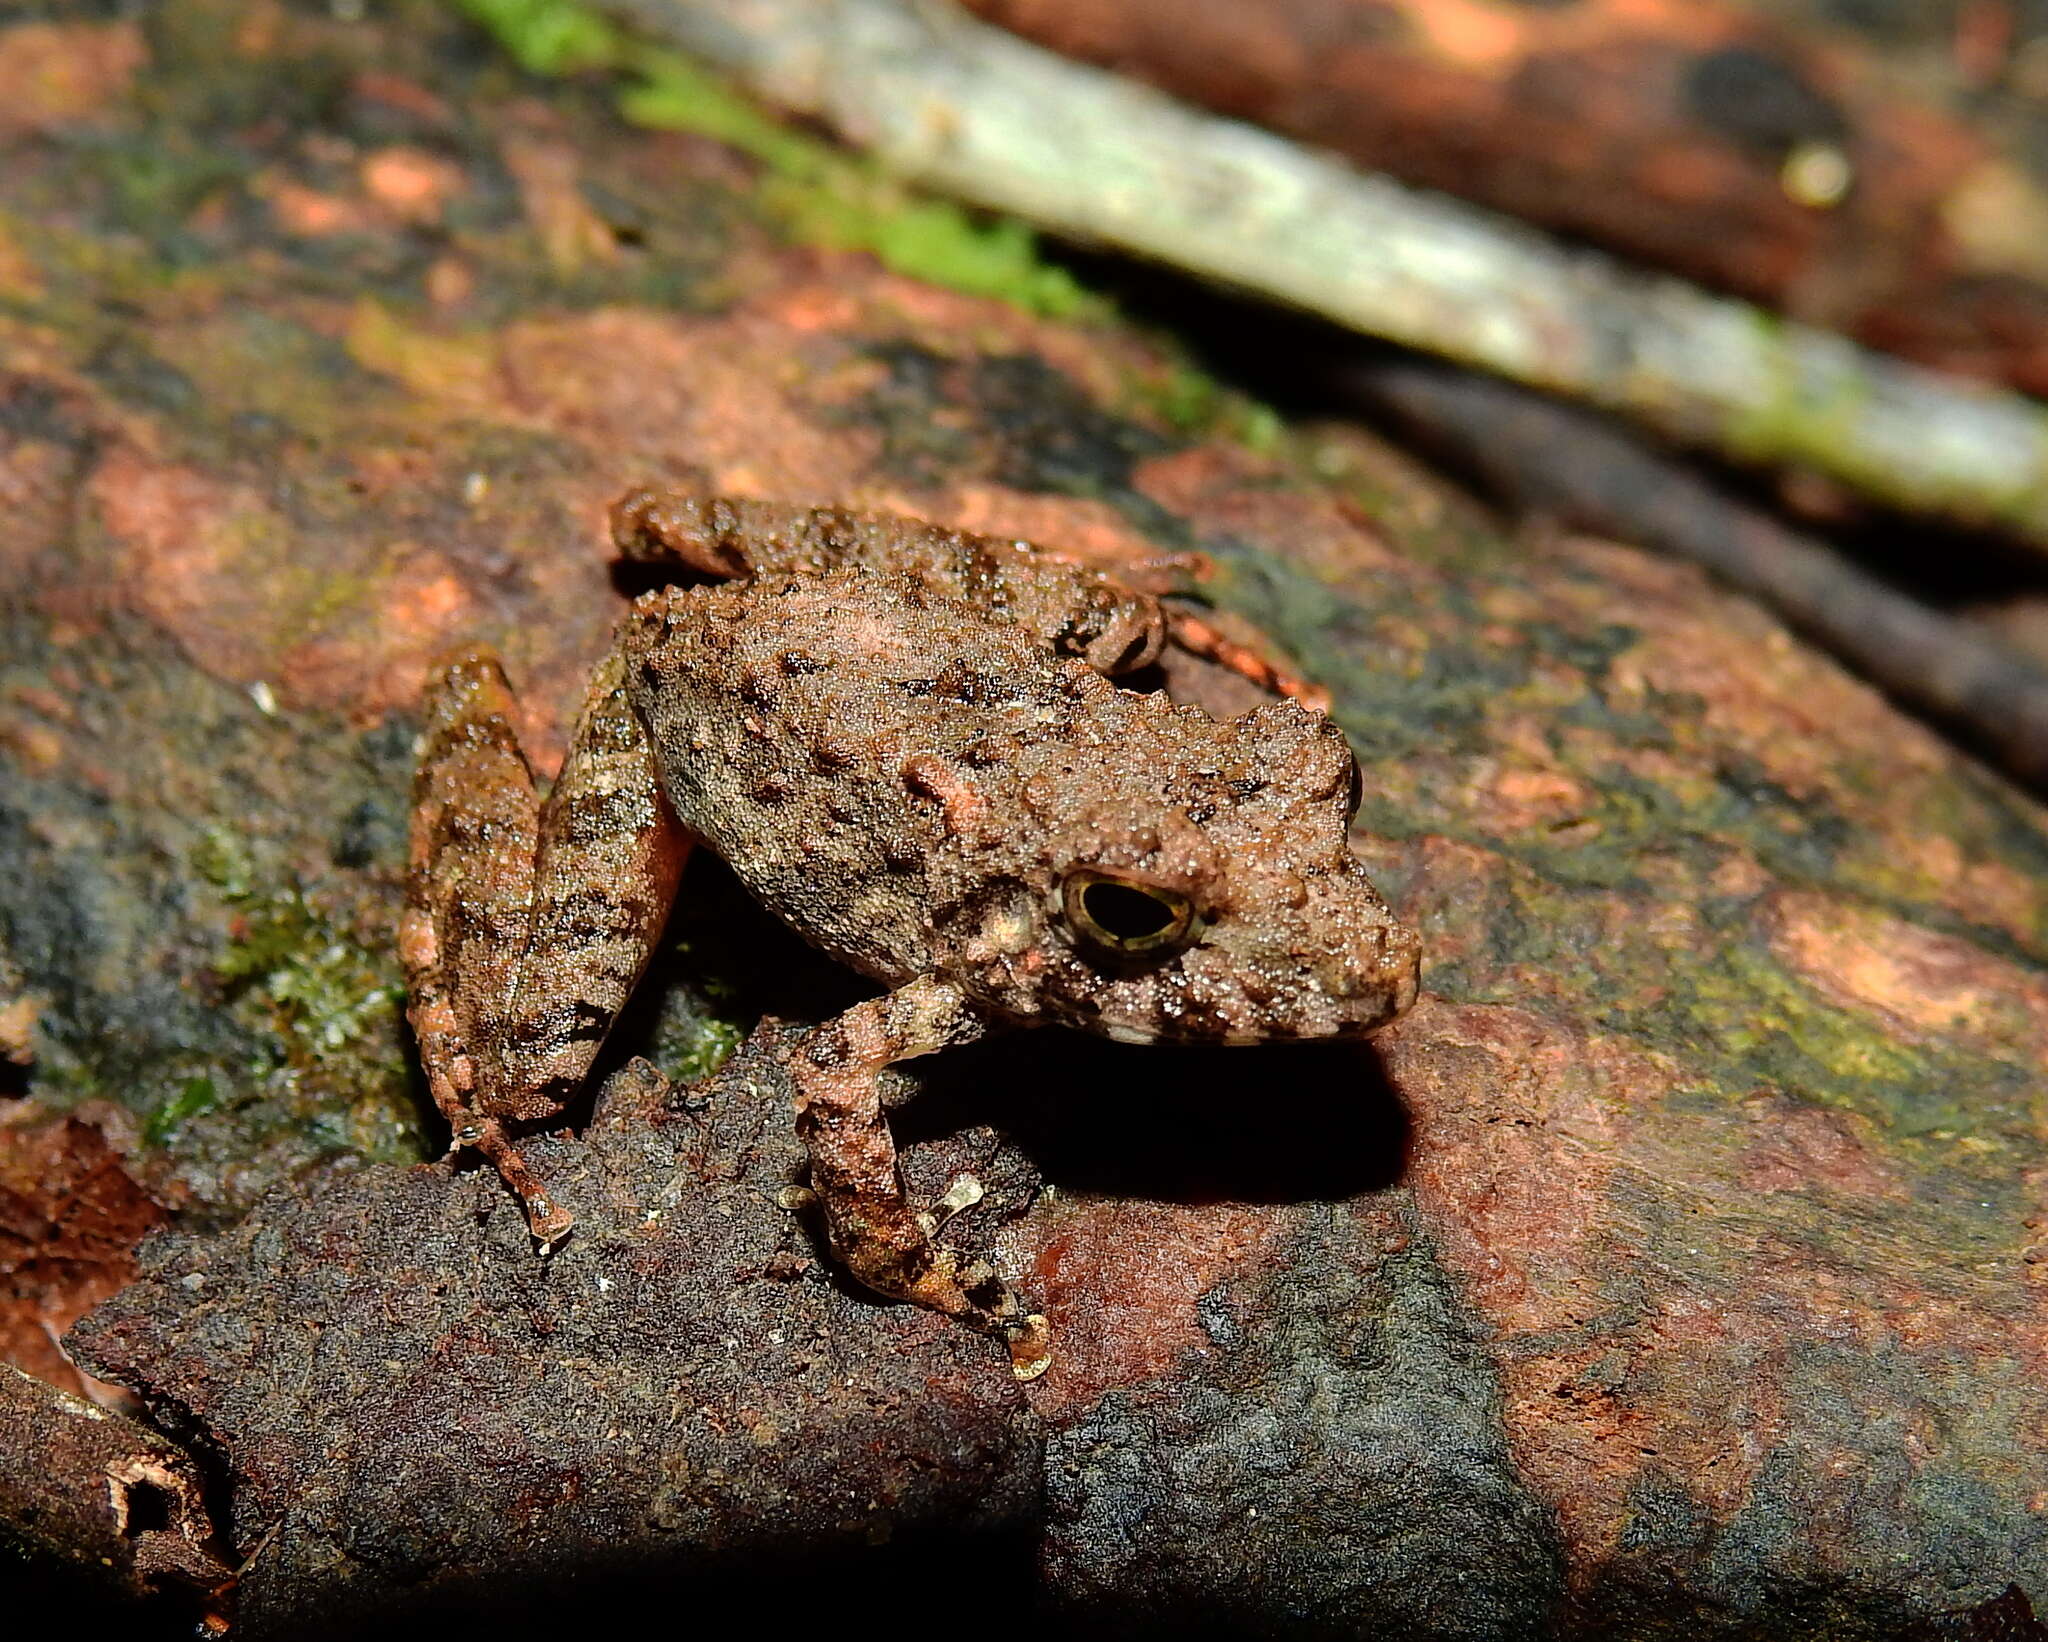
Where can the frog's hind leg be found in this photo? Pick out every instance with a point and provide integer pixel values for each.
(610, 854)
(873, 1228)
(527, 923)
(1200, 637)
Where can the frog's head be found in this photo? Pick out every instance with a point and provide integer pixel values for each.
(1215, 900)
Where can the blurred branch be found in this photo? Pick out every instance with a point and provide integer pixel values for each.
(965, 108)
(1790, 166)
(1575, 467)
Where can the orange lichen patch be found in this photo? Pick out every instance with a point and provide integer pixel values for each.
(61, 74)
(414, 185)
(1914, 981)
(70, 1218)
(1100, 362)
(311, 214)
(199, 556)
(374, 665)
(427, 600)
(1980, 891)
(813, 308)
(1518, 799)
(1158, 1259)
(1484, 38)
(653, 389)
(1087, 532)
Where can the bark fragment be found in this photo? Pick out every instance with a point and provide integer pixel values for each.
(1785, 165)
(98, 1494)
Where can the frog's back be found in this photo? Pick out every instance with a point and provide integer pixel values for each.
(804, 729)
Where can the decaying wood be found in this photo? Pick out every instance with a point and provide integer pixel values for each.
(971, 110)
(1569, 465)
(97, 1492)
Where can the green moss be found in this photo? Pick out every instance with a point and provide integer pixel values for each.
(548, 36)
(321, 991)
(819, 193)
(1187, 400)
(195, 1097)
(699, 1048)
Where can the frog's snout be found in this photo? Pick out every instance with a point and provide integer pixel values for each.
(1383, 968)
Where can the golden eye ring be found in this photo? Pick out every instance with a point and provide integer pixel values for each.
(1124, 917)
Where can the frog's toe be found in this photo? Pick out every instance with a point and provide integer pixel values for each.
(1031, 1347)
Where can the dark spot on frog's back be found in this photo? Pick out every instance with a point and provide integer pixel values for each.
(960, 680)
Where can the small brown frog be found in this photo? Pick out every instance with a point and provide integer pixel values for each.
(905, 743)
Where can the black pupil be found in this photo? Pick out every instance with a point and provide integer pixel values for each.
(1127, 914)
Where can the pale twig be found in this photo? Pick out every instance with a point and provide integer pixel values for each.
(962, 107)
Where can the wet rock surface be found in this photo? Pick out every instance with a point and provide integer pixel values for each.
(1672, 1270)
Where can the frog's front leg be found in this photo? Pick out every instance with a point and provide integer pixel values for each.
(527, 924)
(874, 1230)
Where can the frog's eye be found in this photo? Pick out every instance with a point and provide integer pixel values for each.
(1124, 918)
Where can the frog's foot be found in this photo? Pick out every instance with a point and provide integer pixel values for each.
(682, 526)
(901, 1263)
(1200, 637)
(875, 1232)
(546, 1217)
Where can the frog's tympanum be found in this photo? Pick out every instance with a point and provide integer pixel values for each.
(905, 742)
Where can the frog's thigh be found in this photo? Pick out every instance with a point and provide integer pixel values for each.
(609, 854)
(526, 924)
(873, 1227)
(468, 914)
(469, 882)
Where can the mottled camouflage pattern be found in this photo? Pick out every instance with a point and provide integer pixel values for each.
(885, 732)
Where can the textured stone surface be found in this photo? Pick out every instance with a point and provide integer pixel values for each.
(419, 1414)
(1671, 1270)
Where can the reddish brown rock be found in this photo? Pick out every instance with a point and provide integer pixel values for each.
(1674, 1269)
(70, 1218)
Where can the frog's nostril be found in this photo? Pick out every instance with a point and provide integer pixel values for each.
(1380, 963)
(1341, 975)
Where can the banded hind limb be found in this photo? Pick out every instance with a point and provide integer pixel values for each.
(528, 921)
